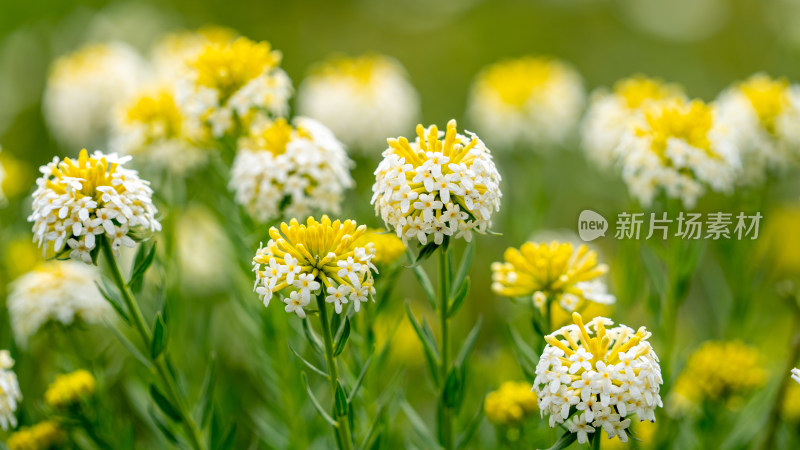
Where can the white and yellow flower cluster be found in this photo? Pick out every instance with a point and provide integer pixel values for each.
(610, 114)
(591, 377)
(10, 395)
(680, 148)
(555, 272)
(304, 259)
(59, 291)
(430, 189)
(228, 83)
(290, 170)
(172, 53)
(85, 86)
(362, 99)
(531, 101)
(764, 113)
(78, 200)
(152, 125)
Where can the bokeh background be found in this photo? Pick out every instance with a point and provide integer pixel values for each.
(703, 44)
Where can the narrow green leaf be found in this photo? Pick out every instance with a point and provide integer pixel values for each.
(464, 438)
(564, 441)
(359, 380)
(312, 337)
(159, 342)
(469, 343)
(418, 424)
(424, 253)
(130, 347)
(451, 394)
(115, 302)
(461, 294)
(340, 400)
(164, 405)
(144, 259)
(162, 427)
(464, 266)
(425, 283)
(431, 354)
(374, 427)
(525, 350)
(308, 363)
(228, 439)
(341, 339)
(206, 401)
(316, 402)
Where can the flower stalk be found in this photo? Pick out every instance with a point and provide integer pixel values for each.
(446, 425)
(342, 429)
(159, 362)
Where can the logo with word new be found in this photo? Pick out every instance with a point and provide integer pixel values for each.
(591, 225)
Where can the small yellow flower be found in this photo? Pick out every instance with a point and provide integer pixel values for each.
(510, 404)
(68, 389)
(718, 371)
(790, 412)
(388, 247)
(318, 255)
(555, 272)
(42, 436)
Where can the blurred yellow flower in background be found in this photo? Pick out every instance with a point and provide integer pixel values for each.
(388, 247)
(42, 436)
(790, 411)
(555, 273)
(611, 114)
(172, 52)
(718, 371)
(21, 256)
(780, 248)
(362, 99)
(71, 388)
(84, 86)
(511, 403)
(529, 100)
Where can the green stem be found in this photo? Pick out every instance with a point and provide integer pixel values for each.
(343, 422)
(446, 432)
(187, 421)
(777, 406)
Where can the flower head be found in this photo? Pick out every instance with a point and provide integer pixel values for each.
(388, 247)
(555, 272)
(78, 201)
(303, 259)
(678, 147)
(290, 170)
(84, 86)
(611, 114)
(510, 404)
(71, 388)
(229, 82)
(42, 436)
(58, 291)
(10, 395)
(594, 377)
(428, 189)
(763, 112)
(172, 53)
(362, 99)
(708, 375)
(152, 125)
(530, 100)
